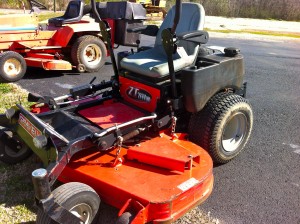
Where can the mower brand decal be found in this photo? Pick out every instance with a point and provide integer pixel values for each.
(28, 126)
(138, 94)
(188, 184)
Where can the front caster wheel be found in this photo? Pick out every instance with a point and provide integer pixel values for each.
(80, 199)
(12, 66)
(223, 127)
(14, 153)
(125, 218)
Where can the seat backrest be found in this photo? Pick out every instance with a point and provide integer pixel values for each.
(73, 9)
(191, 19)
(73, 13)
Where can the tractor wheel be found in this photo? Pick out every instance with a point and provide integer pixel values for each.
(89, 51)
(12, 66)
(223, 127)
(125, 218)
(80, 199)
(9, 155)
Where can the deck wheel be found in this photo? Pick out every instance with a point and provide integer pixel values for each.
(80, 199)
(223, 127)
(12, 66)
(125, 218)
(80, 68)
(15, 155)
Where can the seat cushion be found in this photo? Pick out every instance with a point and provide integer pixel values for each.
(153, 63)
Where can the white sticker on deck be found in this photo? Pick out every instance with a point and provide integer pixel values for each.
(188, 184)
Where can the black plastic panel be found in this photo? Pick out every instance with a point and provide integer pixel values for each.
(211, 74)
(122, 37)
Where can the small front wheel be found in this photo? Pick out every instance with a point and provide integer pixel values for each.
(125, 218)
(80, 199)
(14, 153)
(12, 66)
(223, 127)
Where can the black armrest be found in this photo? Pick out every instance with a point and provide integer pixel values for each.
(198, 36)
(150, 30)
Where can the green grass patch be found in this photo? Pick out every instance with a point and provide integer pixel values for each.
(17, 195)
(43, 16)
(10, 95)
(258, 32)
(5, 88)
(48, 15)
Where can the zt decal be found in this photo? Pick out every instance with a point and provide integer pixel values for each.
(138, 94)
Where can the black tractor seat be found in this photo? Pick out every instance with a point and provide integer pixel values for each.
(74, 13)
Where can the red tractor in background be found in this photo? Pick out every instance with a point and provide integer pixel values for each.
(70, 41)
(144, 141)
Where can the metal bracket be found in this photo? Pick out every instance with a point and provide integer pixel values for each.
(57, 213)
(45, 200)
(169, 43)
(243, 90)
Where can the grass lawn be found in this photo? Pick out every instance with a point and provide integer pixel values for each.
(16, 189)
(10, 94)
(48, 15)
(17, 196)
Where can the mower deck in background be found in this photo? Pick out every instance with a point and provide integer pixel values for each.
(143, 142)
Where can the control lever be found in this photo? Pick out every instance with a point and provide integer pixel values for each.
(35, 97)
(93, 79)
(50, 101)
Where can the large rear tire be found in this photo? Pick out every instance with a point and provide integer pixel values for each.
(80, 199)
(89, 51)
(12, 66)
(223, 127)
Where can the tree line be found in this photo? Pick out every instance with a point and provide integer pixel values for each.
(262, 9)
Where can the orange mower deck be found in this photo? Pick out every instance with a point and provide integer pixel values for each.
(159, 179)
(154, 192)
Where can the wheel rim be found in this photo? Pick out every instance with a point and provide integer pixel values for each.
(83, 211)
(92, 54)
(21, 149)
(234, 132)
(12, 67)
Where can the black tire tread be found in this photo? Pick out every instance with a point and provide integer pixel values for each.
(203, 125)
(13, 160)
(62, 194)
(15, 55)
(76, 49)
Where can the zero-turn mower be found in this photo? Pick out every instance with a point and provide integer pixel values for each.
(143, 142)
